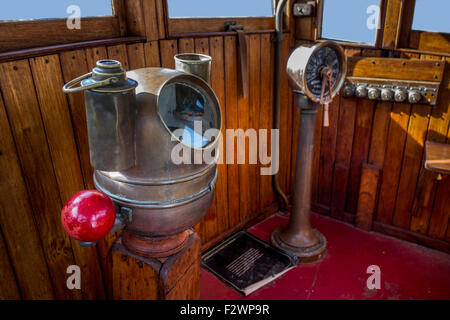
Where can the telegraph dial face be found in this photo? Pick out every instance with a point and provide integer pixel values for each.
(320, 59)
(313, 67)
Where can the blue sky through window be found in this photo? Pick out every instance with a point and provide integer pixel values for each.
(432, 15)
(350, 20)
(50, 9)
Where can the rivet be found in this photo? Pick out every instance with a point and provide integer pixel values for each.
(46, 60)
(140, 264)
(124, 258)
(403, 63)
(73, 57)
(96, 51)
(373, 62)
(15, 68)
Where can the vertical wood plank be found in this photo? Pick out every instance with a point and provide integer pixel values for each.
(231, 90)
(379, 134)
(8, 289)
(244, 174)
(218, 85)
(18, 226)
(327, 155)
(370, 176)
(344, 143)
(151, 50)
(136, 56)
(360, 150)
(392, 165)
(119, 53)
(73, 64)
(168, 49)
(441, 211)
(267, 196)
(254, 67)
(412, 160)
(95, 54)
(427, 184)
(135, 18)
(161, 17)
(151, 19)
(186, 45)
(64, 154)
(31, 141)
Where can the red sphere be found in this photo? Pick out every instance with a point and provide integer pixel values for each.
(88, 215)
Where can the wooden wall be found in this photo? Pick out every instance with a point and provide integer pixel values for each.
(44, 156)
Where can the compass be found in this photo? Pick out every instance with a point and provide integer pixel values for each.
(317, 70)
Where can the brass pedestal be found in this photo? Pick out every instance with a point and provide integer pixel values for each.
(298, 237)
(134, 276)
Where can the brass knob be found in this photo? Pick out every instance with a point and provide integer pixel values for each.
(387, 94)
(400, 95)
(414, 96)
(348, 90)
(361, 91)
(373, 93)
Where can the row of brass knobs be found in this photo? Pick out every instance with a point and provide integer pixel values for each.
(385, 94)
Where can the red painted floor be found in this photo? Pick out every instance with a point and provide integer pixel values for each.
(408, 271)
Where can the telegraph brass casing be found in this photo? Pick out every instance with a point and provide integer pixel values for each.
(300, 59)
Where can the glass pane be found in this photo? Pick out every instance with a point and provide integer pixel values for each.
(432, 15)
(50, 9)
(219, 8)
(351, 20)
(187, 113)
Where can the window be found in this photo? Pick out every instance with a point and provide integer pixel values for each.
(351, 20)
(28, 24)
(432, 15)
(213, 9)
(201, 16)
(51, 9)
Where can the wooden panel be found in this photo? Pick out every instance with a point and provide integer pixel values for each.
(73, 64)
(412, 160)
(180, 25)
(151, 20)
(379, 134)
(254, 77)
(136, 56)
(392, 22)
(231, 90)
(218, 84)
(327, 154)
(29, 34)
(119, 53)
(394, 154)
(370, 176)
(439, 219)
(430, 41)
(151, 50)
(286, 123)
(346, 128)
(267, 195)
(186, 45)
(360, 150)
(31, 141)
(18, 227)
(244, 170)
(135, 17)
(161, 12)
(168, 49)
(58, 127)
(95, 54)
(394, 68)
(8, 289)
